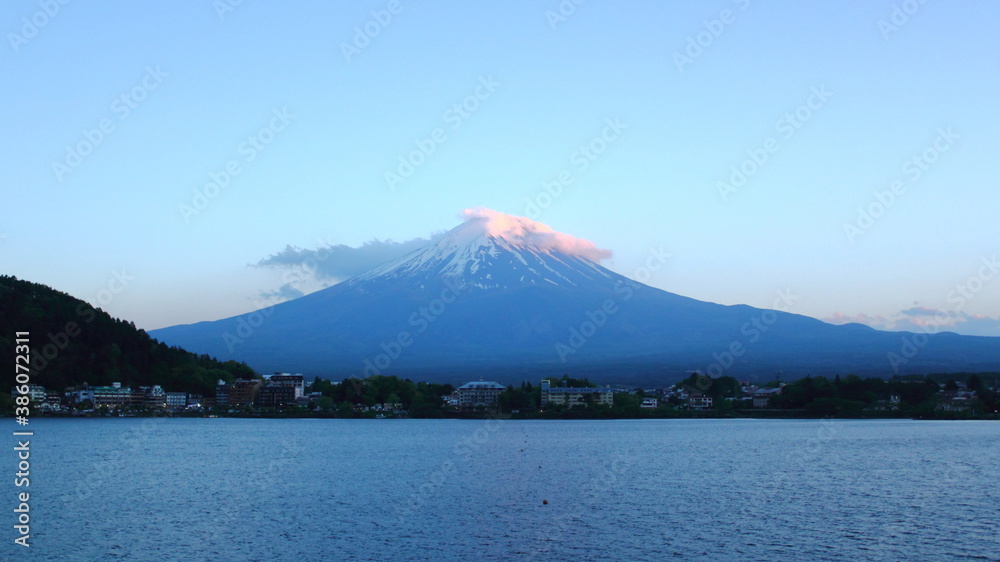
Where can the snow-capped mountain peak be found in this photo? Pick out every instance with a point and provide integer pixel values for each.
(533, 303)
(493, 250)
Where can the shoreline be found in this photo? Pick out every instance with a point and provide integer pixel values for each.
(790, 415)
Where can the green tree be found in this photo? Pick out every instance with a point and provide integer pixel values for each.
(345, 410)
(627, 405)
(325, 404)
(696, 383)
(521, 398)
(974, 383)
(572, 383)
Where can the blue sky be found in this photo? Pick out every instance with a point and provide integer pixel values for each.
(828, 107)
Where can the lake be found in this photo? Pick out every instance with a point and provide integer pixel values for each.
(303, 489)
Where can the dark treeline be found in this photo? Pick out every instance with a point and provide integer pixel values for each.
(420, 400)
(72, 343)
(911, 396)
(851, 396)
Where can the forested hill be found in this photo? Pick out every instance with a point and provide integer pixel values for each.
(72, 343)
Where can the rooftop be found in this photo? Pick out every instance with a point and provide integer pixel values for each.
(482, 384)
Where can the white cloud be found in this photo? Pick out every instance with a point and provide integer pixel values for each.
(336, 263)
(924, 319)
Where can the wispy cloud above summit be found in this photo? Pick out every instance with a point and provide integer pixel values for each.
(521, 230)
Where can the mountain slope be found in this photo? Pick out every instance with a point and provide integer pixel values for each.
(71, 342)
(507, 298)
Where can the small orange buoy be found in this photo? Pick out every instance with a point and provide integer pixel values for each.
(545, 502)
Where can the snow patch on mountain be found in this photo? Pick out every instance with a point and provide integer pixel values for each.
(523, 231)
(492, 250)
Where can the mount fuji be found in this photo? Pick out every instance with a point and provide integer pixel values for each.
(508, 298)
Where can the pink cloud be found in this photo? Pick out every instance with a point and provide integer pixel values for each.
(524, 231)
(924, 319)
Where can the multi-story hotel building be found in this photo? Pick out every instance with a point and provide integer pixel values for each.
(574, 396)
(479, 393)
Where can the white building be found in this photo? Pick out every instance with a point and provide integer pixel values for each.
(762, 397)
(114, 396)
(177, 400)
(285, 379)
(156, 397)
(700, 402)
(35, 393)
(481, 393)
(574, 396)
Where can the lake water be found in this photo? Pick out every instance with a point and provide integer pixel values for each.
(258, 489)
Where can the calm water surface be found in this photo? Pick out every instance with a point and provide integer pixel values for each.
(237, 489)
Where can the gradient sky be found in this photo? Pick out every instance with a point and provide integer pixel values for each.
(198, 81)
